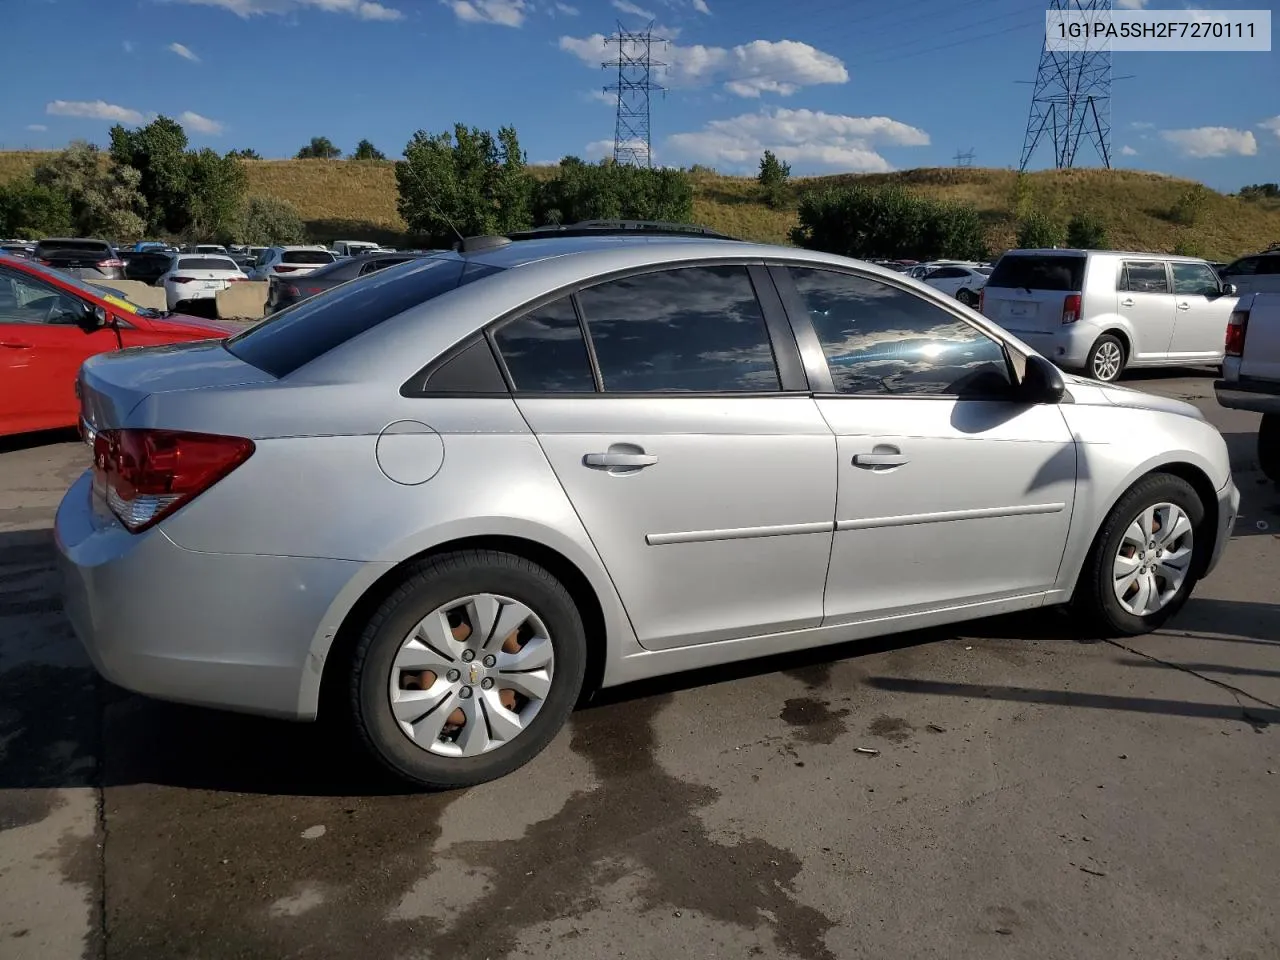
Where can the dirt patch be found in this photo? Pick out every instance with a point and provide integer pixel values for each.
(893, 729)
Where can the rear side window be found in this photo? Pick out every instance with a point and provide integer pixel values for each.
(299, 334)
(306, 256)
(206, 263)
(544, 351)
(1144, 276)
(1057, 274)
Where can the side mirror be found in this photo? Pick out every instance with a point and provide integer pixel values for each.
(1228, 289)
(1041, 382)
(92, 318)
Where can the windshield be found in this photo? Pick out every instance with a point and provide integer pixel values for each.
(95, 246)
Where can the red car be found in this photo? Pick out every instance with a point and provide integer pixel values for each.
(50, 323)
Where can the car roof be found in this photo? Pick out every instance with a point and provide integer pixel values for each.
(1073, 252)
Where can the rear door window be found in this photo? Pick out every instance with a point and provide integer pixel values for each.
(299, 334)
(1143, 276)
(1056, 274)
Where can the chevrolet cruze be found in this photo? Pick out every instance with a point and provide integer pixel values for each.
(452, 496)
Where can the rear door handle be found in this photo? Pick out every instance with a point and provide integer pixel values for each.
(1184, 306)
(880, 460)
(1126, 303)
(619, 460)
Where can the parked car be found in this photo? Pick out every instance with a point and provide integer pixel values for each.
(556, 459)
(284, 292)
(214, 248)
(295, 261)
(50, 323)
(962, 281)
(147, 266)
(194, 278)
(1251, 372)
(1105, 311)
(19, 249)
(242, 260)
(351, 248)
(87, 259)
(1259, 273)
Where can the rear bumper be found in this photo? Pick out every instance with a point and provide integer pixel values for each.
(1067, 346)
(218, 630)
(1228, 511)
(1259, 397)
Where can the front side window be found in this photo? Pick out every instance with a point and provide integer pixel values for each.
(25, 300)
(1145, 276)
(1195, 280)
(882, 340)
(687, 330)
(544, 351)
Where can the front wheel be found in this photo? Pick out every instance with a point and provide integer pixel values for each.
(1269, 446)
(468, 670)
(1106, 359)
(1144, 561)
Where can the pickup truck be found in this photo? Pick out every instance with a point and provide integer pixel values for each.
(1251, 371)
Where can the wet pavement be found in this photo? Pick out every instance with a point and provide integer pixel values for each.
(1002, 789)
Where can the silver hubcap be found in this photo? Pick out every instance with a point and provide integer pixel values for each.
(1106, 361)
(472, 675)
(1154, 557)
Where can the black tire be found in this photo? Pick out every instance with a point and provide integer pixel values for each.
(1104, 345)
(967, 297)
(428, 586)
(1269, 446)
(1095, 602)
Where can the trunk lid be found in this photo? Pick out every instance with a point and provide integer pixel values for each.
(76, 258)
(1026, 292)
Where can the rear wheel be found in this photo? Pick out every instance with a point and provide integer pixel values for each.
(468, 670)
(1106, 359)
(967, 297)
(1269, 446)
(1144, 561)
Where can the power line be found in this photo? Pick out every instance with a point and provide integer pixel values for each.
(632, 142)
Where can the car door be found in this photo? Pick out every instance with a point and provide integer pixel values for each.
(1202, 313)
(41, 350)
(950, 490)
(683, 432)
(1144, 298)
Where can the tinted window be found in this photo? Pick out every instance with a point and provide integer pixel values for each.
(297, 335)
(948, 273)
(26, 300)
(95, 246)
(1039, 273)
(1145, 276)
(306, 256)
(1194, 279)
(206, 263)
(698, 329)
(882, 340)
(1268, 265)
(544, 351)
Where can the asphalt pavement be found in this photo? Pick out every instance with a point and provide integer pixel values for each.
(1005, 789)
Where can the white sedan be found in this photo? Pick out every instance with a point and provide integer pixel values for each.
(195, 277)
(960, 280)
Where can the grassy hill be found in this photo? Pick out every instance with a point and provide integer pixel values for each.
(358, 199)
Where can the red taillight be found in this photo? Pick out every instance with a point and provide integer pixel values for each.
(289, 290)
(145, 475)
(183, 279)
(47, 263)
(1237, 327)
(111, 262)
(280, 268)
(1071, 308)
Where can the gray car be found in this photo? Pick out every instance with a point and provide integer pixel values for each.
(451, 497)
(84, 258)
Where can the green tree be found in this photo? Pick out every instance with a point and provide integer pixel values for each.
(1260, 191)
(105, 198)
(467, 180)
(610, 191)
(158, 151)
(320, 148)
(268, 220)
(773, 177)
(864, 221)
(217, 187)
(1190, 205)
(1037, 231)
(366, 151)
(1086, 232)
(246, 154)
(33, 211)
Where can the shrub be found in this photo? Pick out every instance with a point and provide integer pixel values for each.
(1086, 232)
(864, 221)
(265, 221)
(103, 196)
(1190, 205)
(1038, 230)
(610, 191)
(33, 211)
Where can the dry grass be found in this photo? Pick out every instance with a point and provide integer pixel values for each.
(339, 198)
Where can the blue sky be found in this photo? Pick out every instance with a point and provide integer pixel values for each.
(831, 85)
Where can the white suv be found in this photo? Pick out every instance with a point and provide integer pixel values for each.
(295, 261)
(1104, 311)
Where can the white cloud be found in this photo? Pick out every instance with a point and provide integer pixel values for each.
(505, 13)
(37, 127)
(701, 6)
(193, 121)
(1128, 151)
(92, 110)
(600, 96)
(802, 137)
(626, 6)
(1201, 142)
(184, 52)
(1142, 125)
(747, 70)
(128, 45)
(1273, 125)
(361, 9)
(567, 10)
(1130, 4)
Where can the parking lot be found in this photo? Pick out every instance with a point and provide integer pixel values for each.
(1011, 789)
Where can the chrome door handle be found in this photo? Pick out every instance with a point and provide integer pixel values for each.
(619, 460)
(14, 345)
(1126, 303)
(1184, 306)
(880, 460)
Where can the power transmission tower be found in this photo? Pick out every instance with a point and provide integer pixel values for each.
(965, 158)
(635, 66)
(1072, 95)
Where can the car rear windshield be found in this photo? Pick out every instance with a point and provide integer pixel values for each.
(1039, 273)
(207, 263)
(51, 246)
(306, 256)
(299, 334)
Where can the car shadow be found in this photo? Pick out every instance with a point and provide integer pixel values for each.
(41, 438)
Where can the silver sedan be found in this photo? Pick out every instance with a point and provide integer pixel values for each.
(450, 498)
